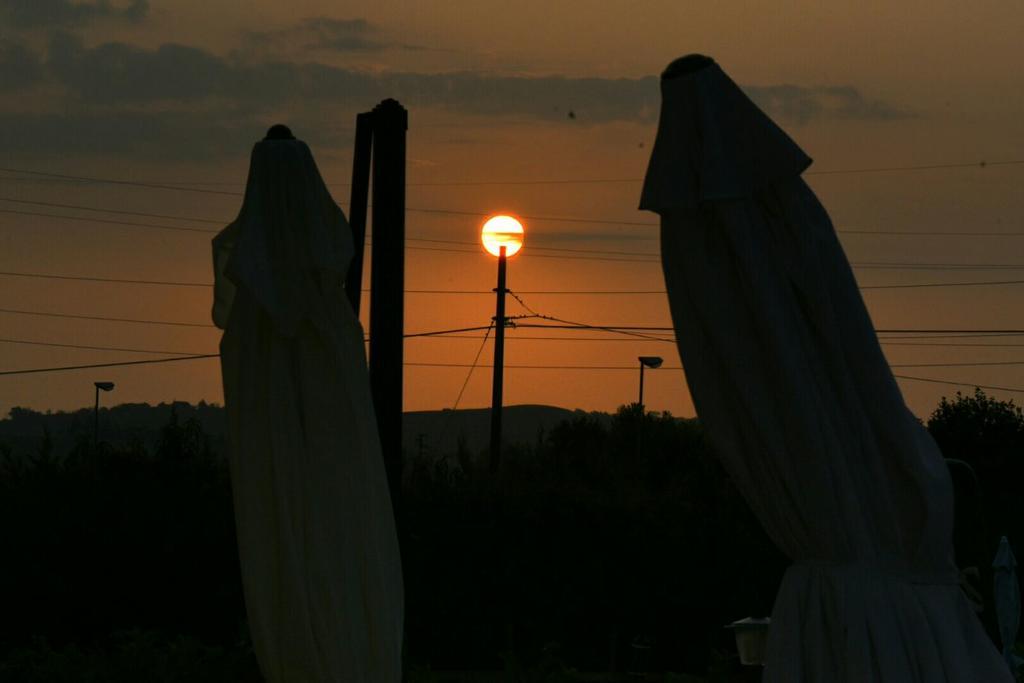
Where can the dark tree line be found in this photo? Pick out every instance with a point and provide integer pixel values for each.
(605, 544)
(119, 564)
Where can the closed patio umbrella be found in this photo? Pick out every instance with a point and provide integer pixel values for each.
(789, 381)
(316, 533)
(1007, 599)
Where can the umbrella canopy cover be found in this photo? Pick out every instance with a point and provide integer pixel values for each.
(1007, 599)
(791, 385)
(316, 533)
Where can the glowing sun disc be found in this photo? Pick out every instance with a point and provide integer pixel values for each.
(502, 231)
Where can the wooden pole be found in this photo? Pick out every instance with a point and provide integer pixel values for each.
(357, 205)
(499, 363)
(387, 282)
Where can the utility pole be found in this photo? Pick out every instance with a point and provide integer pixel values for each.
(357, 206)
(499, 362)
(387, 282)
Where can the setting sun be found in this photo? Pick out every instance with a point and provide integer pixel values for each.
(502, 231)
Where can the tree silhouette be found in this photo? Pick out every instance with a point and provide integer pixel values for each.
(988, 435)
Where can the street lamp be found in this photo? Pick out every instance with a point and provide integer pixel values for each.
(502, 236)
(100, 386)
(651, 362)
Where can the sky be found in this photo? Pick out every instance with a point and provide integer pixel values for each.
(502, 98)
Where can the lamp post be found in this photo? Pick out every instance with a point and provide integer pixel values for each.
(100, 386)
(502, 236)
(651, 362)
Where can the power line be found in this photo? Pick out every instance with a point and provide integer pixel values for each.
(465, 383)
(667, 367)
(603, 181)
(963, 332)
(952, 345)
(188, 354)
(469, 375)
(126, 183)
(82, 278)
(190, 186)
(200, 325)
(956, 365)
(107, 221)
(192, 354)
(944, 333)
(896, 341)
(946, 284)
(523, 304)
(960, 384)
(557, 219)
(483, 292)
(534, 255)
(79, 207)
(653, 328)
(178, 228)
(207, 356)
(983, 335)
(517, 337)
(929, 233)
(579, 325)
(28, 342)
(924, 167)
(673, 341)
(534, 248)
(882, 265)
(637, 292)
(490, 292)
(438, 333)
(106, 365)
(565, 219)
(173, 323)
(631, 256)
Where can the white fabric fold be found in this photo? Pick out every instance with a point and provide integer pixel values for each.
(290, 239)
(319, 555)
(713, 143)
(792, 387)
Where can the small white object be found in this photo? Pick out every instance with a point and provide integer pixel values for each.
(751, 639)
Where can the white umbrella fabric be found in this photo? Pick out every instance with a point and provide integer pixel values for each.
(316, 533)
(790, 383)
(1007, 598)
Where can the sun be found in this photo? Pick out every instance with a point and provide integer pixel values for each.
(502, 231)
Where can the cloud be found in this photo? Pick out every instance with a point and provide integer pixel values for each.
(153, 136)
(120, 74)
(130, 101)
(342, 35)
(52, 13)
(20, 67)
(801, 104)
(114, 73)
(326, 34)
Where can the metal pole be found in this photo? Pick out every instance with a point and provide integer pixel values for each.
(499, 362)
(357, 205)
(387, 282)
(96, 422)
(640, 402)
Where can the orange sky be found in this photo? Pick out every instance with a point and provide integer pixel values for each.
(873, 86)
